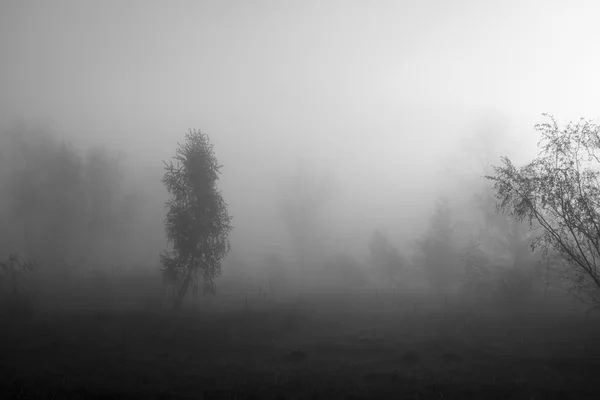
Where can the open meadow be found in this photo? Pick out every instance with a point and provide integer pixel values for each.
(367, 345)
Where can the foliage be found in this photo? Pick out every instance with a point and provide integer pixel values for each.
(386, 258)
(558, 194)
(197, 223)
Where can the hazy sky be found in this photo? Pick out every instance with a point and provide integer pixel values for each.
(371, 91)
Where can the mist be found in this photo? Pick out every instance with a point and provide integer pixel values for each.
(374, 96)
(334, 122)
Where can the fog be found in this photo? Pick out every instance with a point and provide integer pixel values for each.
(393, 104)
(354, 137)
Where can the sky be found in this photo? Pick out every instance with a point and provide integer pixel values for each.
(375, 94)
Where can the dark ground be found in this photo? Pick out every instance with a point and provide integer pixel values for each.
(342, 351)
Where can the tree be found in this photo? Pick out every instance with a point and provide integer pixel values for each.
(558, 193)
(348, 271)
(69, 206)
(197, 223)
(46, 194)
(477, 280)
(111, 206)
(503, 237)
(436, 250)
(506, 241)
(302, 211)
(16, 287)
(276, 273)
(386, 258)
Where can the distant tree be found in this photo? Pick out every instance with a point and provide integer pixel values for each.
(386, 258)
(104, 176)
(348, 272)
(437, 253)
(301, 212)
(277, 275)
(46, 193)
(507, 243)
(504, 237)
(497, 261)
(197, 223)
(17, 290)
(489, 279)
(111, 206)
(68, 207)
(558, 193)
(477, 279)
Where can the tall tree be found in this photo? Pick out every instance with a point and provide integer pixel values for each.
(559, 192)
(197, 223)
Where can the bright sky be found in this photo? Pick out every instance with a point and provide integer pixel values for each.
(373, 90)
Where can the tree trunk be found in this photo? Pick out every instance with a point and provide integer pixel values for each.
(183, 290)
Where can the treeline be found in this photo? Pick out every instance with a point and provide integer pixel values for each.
(64, 207)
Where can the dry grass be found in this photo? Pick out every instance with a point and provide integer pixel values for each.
(334, 349)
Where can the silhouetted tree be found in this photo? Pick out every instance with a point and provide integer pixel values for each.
(559, 192)
(197, 223)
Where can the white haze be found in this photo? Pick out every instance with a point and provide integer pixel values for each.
(377, 96)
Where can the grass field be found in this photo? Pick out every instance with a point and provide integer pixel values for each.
(317, 348)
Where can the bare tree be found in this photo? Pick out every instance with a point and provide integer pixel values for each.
(559, 194)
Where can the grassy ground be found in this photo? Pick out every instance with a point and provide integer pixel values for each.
(331, 349)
